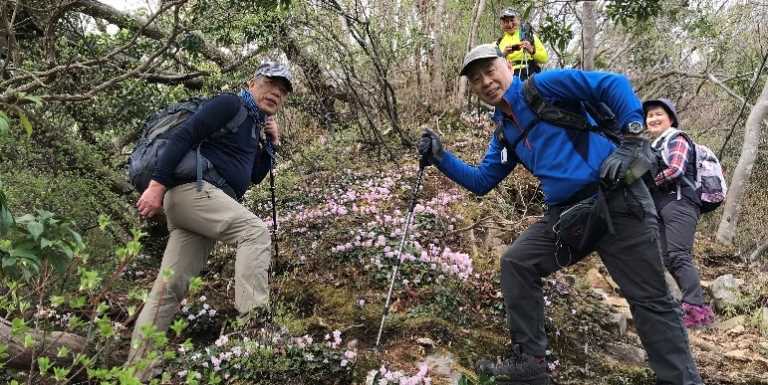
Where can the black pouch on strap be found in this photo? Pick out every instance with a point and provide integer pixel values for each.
(582, 225)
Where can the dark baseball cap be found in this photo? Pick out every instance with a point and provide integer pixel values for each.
(507, 12)
(481, 52)
(272, 69)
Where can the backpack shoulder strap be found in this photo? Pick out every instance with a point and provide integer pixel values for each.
(499, 134)
(550, 113)
(498, 41)
(674, 132)
(234, 123)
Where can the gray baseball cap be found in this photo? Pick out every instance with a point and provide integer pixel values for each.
(272, 69)
(507, 12)
(482, 51)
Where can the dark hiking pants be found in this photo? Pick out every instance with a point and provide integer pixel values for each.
(633, 258)
(677, 228)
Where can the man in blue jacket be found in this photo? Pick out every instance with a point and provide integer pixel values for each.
(198, 217)
(572, 165)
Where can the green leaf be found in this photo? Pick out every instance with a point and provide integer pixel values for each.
(25, 123)
(62, 352)
(104, 222)
(4, 124)
(105, 327)
(6, 218)
(24, 251)
(195, 284)
(178, 326)
(26, 218)
(29, 341)
(102, 307)
(60, 374)
(8, 262)
(43, 363)
(78, 239)
(45, 243)
(59, 262)
(77, 302)
(89, 279)
(126, 377)
(34, 99)
(57, 300)
(35, 229)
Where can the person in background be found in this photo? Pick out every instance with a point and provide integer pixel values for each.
(678, 206)
(520, 46)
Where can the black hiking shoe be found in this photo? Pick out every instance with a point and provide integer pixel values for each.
(518, 369)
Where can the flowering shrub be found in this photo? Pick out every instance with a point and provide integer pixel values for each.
(270, 358)
(371, 203)
(201, 318)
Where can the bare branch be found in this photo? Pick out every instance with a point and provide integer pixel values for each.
(96, 9)
(134, 72)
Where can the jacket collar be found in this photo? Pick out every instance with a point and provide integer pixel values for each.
(511, 96)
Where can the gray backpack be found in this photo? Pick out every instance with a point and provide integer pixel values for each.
(156, 131)
(709, 182)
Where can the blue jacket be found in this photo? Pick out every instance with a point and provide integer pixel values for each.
(237, 156)
(564, 160)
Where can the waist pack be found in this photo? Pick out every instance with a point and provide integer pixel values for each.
(157, 130)
(582, 225)
(709, 182)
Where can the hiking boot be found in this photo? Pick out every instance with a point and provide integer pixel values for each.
(519, 369)
(697, 316)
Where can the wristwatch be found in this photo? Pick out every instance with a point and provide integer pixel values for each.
(635, 128)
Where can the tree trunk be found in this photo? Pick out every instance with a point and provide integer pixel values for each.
(438, 84)
(20, 357)
(727, 229)
(588, 30)
(477, 10)
(322, 88)
(423, 50)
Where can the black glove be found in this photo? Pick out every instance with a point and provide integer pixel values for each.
(628, 163)
(430, 147)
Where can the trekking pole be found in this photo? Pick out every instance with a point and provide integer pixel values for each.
(272, 192)
(525, 29)
(411, 210)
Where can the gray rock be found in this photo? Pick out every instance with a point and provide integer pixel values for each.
(732, 323)
(600, 293)
(626, 353)
(443, 364)
(761, 319)
(725, 291)
(426, 342)
(619, 321)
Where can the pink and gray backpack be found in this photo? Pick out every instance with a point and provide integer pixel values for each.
(710, 182)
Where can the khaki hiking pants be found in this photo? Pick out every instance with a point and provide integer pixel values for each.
(196, 220)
